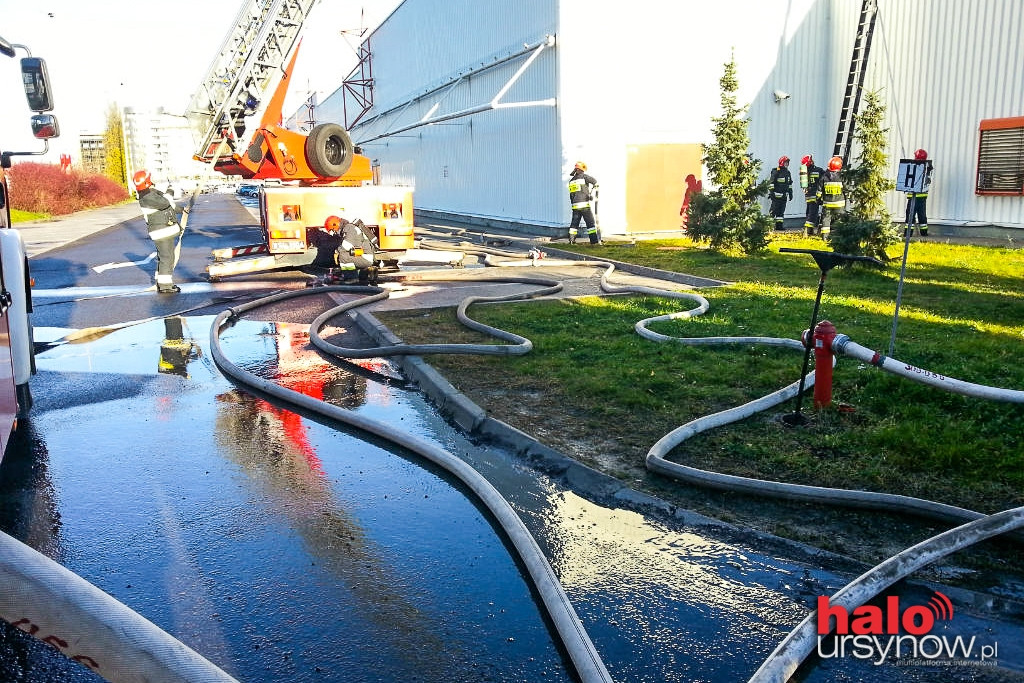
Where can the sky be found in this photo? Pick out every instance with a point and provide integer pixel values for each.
(144, 54)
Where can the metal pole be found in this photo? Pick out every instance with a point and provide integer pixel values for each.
(796, 418)
(911, 210)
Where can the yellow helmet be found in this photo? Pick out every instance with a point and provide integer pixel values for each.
(581, 166)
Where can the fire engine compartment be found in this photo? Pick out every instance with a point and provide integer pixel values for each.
(374, 230)
(289, 214)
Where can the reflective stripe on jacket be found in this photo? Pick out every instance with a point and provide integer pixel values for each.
(781, 182)
(580, 187)
(813, 188)
(832, 191)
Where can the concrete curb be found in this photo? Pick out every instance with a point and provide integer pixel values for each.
(595, 485)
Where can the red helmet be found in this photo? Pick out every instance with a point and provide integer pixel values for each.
(835, 163)
(920, 155)
(332, 223)
(142, 180)
(807, 160)
(783, 160)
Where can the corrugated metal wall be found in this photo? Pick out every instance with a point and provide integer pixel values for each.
(495, 164)
(944, 66)
(648, 72)
(941, 67)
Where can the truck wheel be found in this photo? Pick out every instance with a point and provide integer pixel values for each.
(329, 150)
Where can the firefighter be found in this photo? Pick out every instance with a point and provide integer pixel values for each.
(832, 197)
(917, 201)
(810, 180)
(582, 195)
(781, 181)
(164, 229)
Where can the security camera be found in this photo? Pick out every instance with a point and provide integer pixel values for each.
(781, 95)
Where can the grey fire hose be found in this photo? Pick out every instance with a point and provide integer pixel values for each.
(842, 345)
(656, 457)
(571, 632)
(795, 647)
(44, 599)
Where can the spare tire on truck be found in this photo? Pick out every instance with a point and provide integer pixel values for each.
(329, 150)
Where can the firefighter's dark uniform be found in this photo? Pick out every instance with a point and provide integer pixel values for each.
(781, 181)
(812, 195)
(161, 218)
(832, 198)
(917, 206)
(581, 195)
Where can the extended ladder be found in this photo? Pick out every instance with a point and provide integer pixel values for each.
(855, 83)
(250, 63)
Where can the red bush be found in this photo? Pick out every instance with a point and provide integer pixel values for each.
(45, 188)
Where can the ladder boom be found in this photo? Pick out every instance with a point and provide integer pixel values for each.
(855, 82)
(249, 65)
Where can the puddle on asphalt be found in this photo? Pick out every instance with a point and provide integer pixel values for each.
(285, 549)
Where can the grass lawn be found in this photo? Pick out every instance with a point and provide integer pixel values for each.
(962, 316)
(19, 216)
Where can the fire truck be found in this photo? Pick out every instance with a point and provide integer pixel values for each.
(17, 354)
(324, 207)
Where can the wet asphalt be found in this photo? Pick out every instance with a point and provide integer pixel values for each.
(286, 548)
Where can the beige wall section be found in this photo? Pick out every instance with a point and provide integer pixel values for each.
(655, 183)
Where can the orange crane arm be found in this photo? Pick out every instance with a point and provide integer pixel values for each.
(324, 157)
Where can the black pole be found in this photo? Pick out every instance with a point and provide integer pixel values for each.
(796, 418)
(826, 261)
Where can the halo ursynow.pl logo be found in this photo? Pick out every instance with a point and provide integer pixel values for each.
(897, 632)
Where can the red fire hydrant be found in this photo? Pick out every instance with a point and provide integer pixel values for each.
(824, 333)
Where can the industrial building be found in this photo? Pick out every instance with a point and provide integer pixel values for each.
(92, 152)
(161, 143)
(485, 107)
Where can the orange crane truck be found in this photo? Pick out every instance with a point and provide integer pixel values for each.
(325, 210)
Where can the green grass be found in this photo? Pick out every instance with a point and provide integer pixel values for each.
(962, 316)
(19, 216)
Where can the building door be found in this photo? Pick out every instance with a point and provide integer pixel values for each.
(656, 184)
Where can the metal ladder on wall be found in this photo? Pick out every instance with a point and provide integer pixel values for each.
(249, 64)
(855, 82)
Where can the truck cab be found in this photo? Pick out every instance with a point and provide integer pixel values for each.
(17, 355)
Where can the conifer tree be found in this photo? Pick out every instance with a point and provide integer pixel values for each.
(115, 165)
(728, 215)
(867, 228)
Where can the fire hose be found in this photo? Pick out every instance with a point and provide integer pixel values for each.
(129, 648)
(573, 636)
(87, 625)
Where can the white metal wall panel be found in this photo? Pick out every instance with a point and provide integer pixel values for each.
(648, 72)
(944, 66)
(494, 164)
(424, 42)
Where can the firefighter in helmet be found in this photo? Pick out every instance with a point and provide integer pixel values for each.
(781, 181)
(582, 198)
(164, 229)
(810, 181)
(832, 198)
(917, 201)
